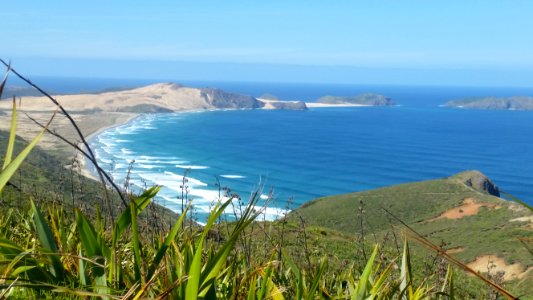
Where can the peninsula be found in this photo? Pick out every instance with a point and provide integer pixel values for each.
(507, 103)
(95, 112)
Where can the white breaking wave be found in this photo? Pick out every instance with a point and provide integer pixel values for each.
(158, 157)
(189, 180)
(149, 170)
(126, 151)
(144, 166)
(191, 167)
(233, 176)
(107, 161)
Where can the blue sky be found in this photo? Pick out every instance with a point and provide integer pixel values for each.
(448, 42)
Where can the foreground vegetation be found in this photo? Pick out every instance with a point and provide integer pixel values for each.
(116, 247)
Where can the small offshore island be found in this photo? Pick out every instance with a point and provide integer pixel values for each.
(507, 103)
(366, 99)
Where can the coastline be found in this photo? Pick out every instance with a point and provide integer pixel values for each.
(82, 160)
(125, 118)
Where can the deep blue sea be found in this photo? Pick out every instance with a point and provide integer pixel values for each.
(303, 155)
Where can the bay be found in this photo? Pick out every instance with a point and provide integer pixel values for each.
(303, 155)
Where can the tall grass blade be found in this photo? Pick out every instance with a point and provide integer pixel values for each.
(166, 244)
(94, 250)
(12, 135)
(449, 282)
(298, 274)
(252, 289)
(82, 270)
(215, 264)
(140, 202)
(195, 270)
(364, 280)
(47, 241)
(123, 222)
(406, 285)
(10, 169)
(137, 261)
(378, 286)
(316, 280)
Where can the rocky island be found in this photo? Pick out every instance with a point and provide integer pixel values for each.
(367, 99)
(507, 103)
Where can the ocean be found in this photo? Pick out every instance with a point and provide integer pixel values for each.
(302, 155)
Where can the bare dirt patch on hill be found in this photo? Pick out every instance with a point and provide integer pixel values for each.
(494, 264)
(469, 207)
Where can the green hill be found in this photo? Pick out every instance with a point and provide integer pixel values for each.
(362, 99)
(506, 103)
(457, 212)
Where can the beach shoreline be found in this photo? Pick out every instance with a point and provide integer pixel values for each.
(126, 118)
(83, 161)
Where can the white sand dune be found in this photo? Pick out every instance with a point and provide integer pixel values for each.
(168, 96)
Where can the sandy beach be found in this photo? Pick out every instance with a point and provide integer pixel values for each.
(90, 125)
(118, 120)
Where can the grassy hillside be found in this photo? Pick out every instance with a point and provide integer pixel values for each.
(363, 99)
(449, 212)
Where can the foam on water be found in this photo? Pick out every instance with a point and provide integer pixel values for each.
(233, 176)
(192, 167)
(158, 157)
(144, 166)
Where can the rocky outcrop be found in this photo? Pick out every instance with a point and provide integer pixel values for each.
(508, 103)
(221, 99)
(479, 182)
(362, 99)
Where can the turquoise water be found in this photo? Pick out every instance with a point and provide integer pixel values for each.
(303, 155)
